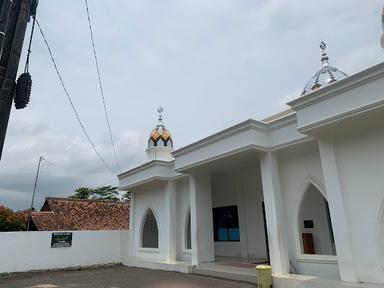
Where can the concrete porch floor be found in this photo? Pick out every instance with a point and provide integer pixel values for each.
(117, 276)
(222, 268)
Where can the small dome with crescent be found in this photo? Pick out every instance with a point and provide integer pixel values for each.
(325, 76)
(160, 136)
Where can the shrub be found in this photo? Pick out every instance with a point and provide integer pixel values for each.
(11, 221)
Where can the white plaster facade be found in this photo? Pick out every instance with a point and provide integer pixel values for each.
(332, 141)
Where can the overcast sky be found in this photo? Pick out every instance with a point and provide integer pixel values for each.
(209, 63)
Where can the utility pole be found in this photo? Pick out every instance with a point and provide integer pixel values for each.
(41, 158)
(37, 177)
(14, 17)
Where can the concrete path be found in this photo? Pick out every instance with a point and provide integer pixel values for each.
(114, 277)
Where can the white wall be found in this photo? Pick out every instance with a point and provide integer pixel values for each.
(242, 188)
(125, 245)
(23, 251)
(359, 152)
(153, 197)
(298, 166)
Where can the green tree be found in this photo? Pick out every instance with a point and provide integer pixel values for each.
(110, 193)
(126, 196)
(11, 221)
(82, 193)
(105, 193)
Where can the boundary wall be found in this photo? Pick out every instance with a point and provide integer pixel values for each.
(25, 251)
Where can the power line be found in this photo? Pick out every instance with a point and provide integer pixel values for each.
(100, 83)
(70, 100)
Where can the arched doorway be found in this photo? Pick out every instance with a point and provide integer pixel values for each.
(315, 227)
(150, 231)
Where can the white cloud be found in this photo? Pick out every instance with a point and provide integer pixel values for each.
(70, 162)
(211, 64)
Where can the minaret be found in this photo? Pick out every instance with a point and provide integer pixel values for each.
(160, 143)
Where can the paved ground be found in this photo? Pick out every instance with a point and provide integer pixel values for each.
(114, 277)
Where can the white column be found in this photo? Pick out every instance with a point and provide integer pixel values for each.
(132, 245)
(201, 218)
(337, 211)
(242, 211)
(274, 211)
(170, 210)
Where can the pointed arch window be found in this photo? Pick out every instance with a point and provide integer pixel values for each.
(150, 233)
(315, 225)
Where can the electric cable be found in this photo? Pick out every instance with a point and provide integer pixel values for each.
(26, 68)
(100, 83)
(70, 100)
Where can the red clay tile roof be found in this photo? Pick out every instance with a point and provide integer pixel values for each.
(58, 214)
(25, 212)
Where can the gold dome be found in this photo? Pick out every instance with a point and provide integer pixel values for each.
(160, 136)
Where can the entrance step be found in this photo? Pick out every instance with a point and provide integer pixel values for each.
(226, 272)
(177, 266)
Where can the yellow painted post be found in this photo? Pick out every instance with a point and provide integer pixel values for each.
(264, 276)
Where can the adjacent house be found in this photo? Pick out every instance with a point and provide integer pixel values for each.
(59, 214)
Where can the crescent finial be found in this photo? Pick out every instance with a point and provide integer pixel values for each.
(323, 46)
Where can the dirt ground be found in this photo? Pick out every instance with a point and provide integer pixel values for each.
(113, 277)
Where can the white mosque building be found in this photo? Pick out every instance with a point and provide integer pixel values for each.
(302, 190)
